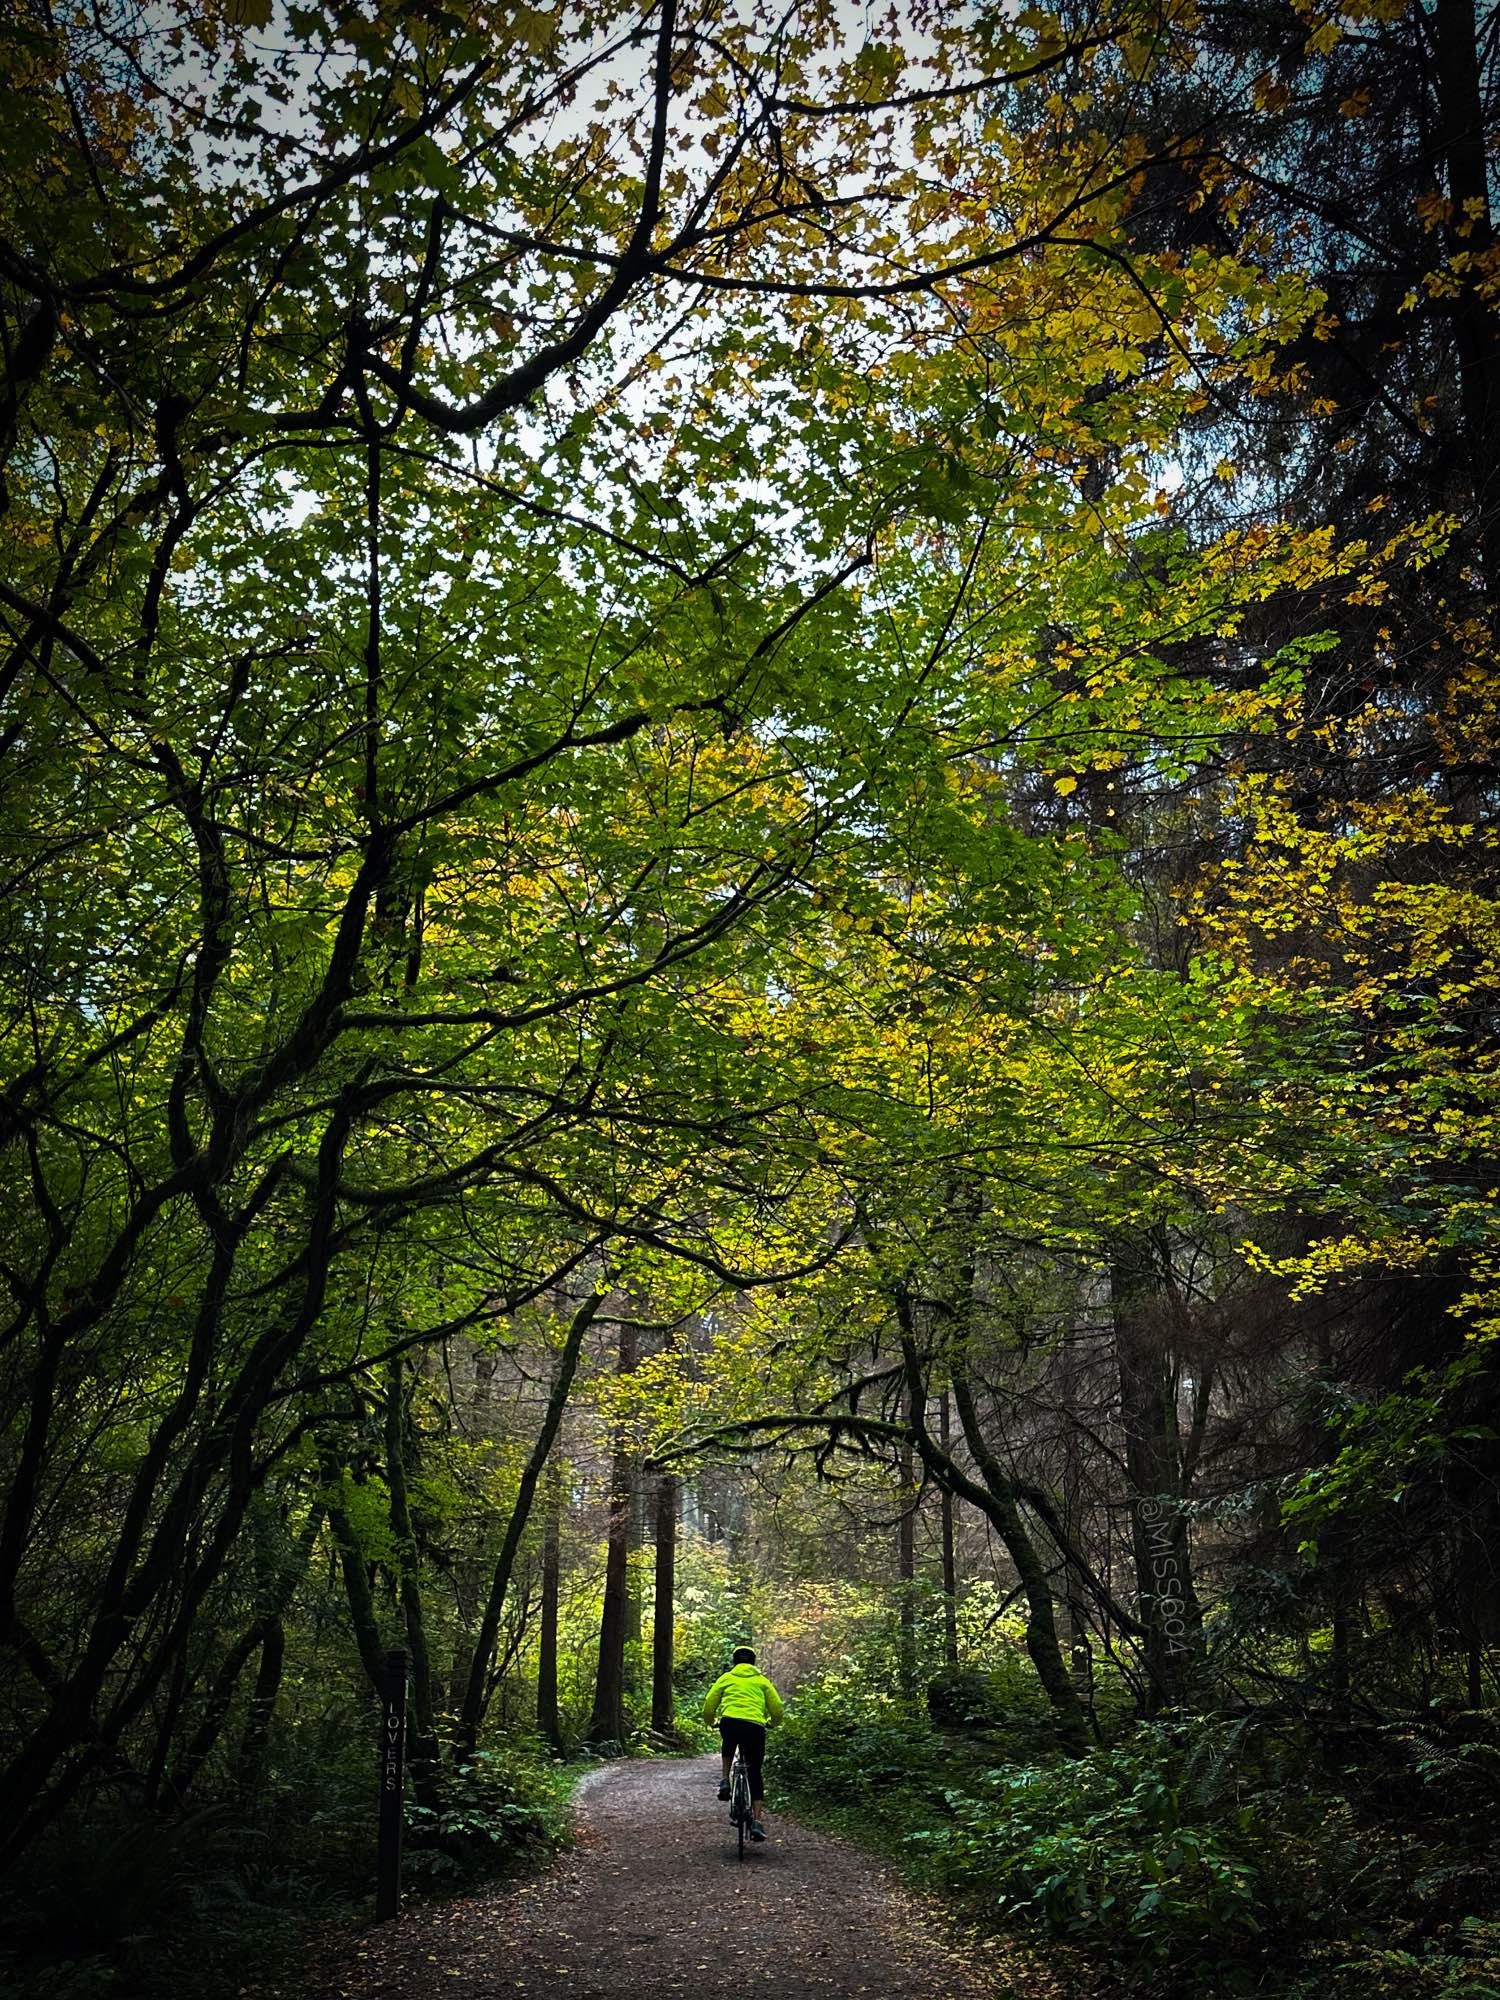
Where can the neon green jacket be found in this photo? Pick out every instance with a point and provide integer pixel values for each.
(745, 1695)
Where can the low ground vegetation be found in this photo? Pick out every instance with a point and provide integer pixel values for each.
(1203, 1855)
(121, 1901)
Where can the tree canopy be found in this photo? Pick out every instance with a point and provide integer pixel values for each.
(740, 747)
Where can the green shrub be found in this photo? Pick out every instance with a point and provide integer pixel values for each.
(1196, 1856)
(692, 1731)
(500, 1807)
(852, 1742)
(1111, 1848)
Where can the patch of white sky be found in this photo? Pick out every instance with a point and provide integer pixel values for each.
(234, 142)
(633, 392)
(644, 372)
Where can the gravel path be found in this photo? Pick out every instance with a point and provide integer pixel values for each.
(653, 1904)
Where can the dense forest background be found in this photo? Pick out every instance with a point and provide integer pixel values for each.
(749, 859)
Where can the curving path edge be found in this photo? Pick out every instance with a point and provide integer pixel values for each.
(652, 1904)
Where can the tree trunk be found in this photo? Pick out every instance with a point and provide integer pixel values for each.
(422, 1738)
(177, 1688)
(1041, 1621)
(634, 1610)
(663, 1696)
(995, 1496)
(1334, 1545)
(950, 1569)
(477, 1693)
(607, 1723)
(906, 1565)
(1167, 1601)
(268, 1634)
(1461, 122)
(362, 1615)
(250, 1762)
(548, 1721)
(1080, 1652)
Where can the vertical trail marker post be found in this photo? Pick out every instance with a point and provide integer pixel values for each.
(392, 1787)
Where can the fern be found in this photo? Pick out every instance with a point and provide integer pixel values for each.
(1211, 1769)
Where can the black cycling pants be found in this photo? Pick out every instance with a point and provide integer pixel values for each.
(750, 1737)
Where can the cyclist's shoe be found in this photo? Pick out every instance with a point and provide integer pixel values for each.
(757, 1831)
(724, 1788)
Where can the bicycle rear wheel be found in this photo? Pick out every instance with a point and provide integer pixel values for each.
(739, 1802)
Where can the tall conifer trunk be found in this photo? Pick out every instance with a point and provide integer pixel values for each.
(548, 1719)
(607, 1722)
(1080, 1652)
(906, 1565)
(1167, 1600)
(950, 1567)
(663, 1702)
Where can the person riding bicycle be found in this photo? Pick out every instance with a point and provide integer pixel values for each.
(745, 1703)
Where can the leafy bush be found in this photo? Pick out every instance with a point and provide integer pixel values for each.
(847, 1739)
(1196, 1856)
(500, 1807)
(316, 1799)
(1105, 1848)
(963, 1698)
(691, 1731)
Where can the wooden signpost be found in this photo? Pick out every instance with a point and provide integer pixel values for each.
(392, 1787)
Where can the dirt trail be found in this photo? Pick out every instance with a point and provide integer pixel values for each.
(653, 1905)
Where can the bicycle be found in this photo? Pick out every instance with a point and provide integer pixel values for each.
(739, 1799)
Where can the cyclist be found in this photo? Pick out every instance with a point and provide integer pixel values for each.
(744, 1702)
